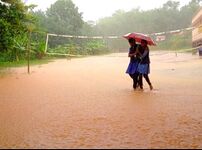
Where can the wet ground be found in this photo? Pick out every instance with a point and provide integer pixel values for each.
(90, 103)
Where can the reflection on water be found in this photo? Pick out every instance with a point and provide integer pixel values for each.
(89, 103)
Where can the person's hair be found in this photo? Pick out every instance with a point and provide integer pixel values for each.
(144, 41)
(131, 40)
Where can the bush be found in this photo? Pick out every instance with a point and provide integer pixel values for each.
(93, 47)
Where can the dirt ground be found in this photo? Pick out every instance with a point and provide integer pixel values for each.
(90, 103)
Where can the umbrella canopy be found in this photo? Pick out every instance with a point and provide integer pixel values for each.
(139, 36)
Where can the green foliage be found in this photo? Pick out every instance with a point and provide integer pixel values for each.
(21, 63)
(5, 36)
(95, 47)
(168, 17)
(63, 18)
(90, 47)
(41, 20)
(13, 26)
(176, 42)
(18, 20)
(38, 42)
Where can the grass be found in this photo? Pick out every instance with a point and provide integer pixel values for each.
(24, 63)
(5, 66)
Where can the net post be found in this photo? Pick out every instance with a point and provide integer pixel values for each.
(46, 47)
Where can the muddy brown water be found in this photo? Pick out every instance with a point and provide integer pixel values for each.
(89, 103)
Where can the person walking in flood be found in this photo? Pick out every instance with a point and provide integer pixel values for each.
(134, 61)
(144, 66)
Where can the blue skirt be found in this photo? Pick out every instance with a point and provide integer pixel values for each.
(132, 68)
(143, 68)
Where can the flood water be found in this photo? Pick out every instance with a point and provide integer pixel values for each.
(90, 103)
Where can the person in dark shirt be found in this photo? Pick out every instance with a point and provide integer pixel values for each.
(134, 61)
(144, 65)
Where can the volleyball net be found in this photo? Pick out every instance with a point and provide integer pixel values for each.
(79, 46)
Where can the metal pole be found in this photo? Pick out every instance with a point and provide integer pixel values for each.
(28, 57)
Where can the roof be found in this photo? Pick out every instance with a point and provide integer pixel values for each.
(197, 15)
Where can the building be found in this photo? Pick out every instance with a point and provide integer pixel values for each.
(197, 31)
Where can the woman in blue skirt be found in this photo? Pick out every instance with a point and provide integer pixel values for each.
(134, 61)
(144, 65)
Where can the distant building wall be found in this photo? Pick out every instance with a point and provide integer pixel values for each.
(197, 32)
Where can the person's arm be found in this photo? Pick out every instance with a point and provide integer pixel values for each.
(138, 52)
(146, 51)
(131, 55)
(135, 53)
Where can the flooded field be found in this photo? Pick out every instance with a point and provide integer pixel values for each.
(90, 103)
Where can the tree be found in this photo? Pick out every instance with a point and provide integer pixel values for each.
(63, 18)
(12, 13)
(171, 5)
(166, 18)
(13, 28)
(188, 11)
(41, 20)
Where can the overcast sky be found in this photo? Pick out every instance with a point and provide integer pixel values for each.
(95, 9)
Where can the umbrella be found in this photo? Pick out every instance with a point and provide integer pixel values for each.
(139, 36)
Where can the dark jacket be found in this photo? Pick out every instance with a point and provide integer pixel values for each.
(133, 50)
(145, 55)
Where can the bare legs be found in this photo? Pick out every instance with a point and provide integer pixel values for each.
(136, 80)
(147, 79)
